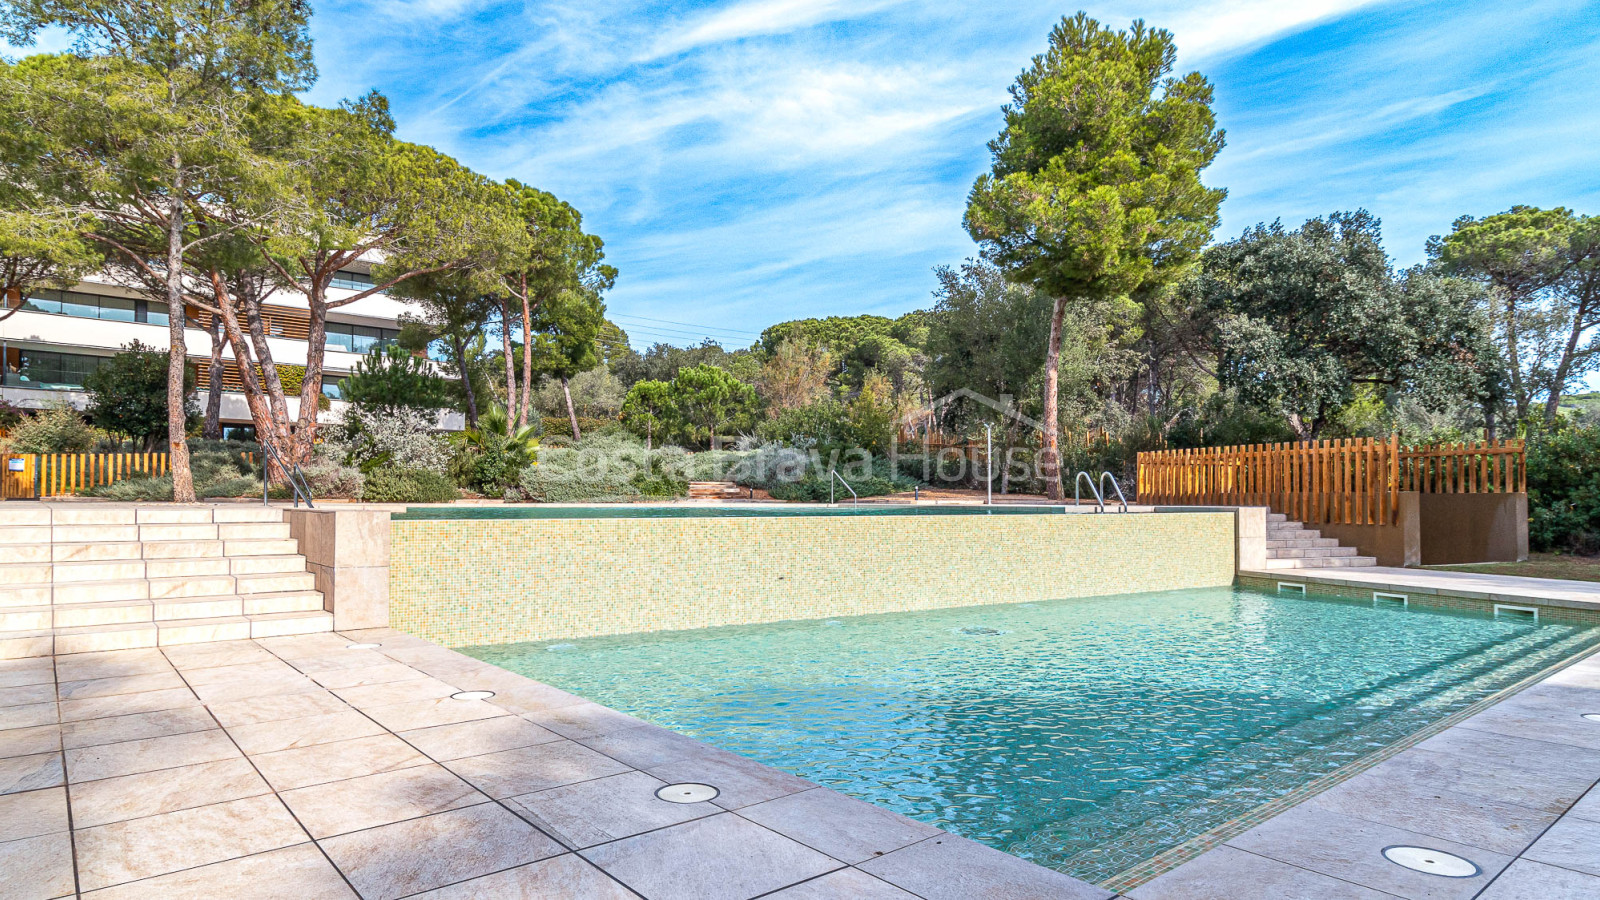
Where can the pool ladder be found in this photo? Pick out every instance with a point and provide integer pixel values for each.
(1099, 493)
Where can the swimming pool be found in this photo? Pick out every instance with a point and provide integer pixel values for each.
(624, 511)
(1087, 735)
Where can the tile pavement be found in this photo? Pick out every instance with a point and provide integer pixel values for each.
(297, 768)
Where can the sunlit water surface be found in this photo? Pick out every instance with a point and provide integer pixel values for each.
(1086, 735)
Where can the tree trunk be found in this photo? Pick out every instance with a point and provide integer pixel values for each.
(305, 436)
(566, 389)
(177, 350)
(527, 362)
(511, 369)
(1050, 452)
(1552, 405)
(1513, 361)
(213, 427)
(459, 346)
(254, 396)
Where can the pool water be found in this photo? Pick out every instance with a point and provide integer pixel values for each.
(624, 511)
(1086, 735)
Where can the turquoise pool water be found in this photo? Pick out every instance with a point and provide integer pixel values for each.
(1086, 735)
(619, 511)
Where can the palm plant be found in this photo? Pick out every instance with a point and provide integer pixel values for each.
(498, 450)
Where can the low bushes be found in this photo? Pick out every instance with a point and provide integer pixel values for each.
(398, 485)
(220, 470)
(605, 468)
(1564, 490)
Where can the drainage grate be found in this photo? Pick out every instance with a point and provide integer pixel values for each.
(472, 695)
(1431, 862)
(362, 646)
(687, 792)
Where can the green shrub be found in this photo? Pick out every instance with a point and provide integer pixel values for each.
(55, 429)
(1564, 490)
(219, 468)
(394, 485)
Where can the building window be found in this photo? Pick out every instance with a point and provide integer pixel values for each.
(47, 370)
(97, 306)
(359, 338)
(353, 281)
(332, 388)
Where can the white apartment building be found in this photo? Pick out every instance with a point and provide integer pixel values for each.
(58, 337)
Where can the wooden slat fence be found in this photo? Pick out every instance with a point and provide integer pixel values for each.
(1353, 481)
(71, 473)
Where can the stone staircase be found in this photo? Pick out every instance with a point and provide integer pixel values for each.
(715, 490)
(1291, 545)
(81, 577)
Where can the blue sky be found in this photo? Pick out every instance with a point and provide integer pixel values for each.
(751, 161)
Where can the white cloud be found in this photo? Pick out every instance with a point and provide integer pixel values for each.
(761, 17)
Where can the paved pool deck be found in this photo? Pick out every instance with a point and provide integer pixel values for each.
(1472, 585)
(297, 767)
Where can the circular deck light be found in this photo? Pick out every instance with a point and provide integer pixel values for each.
(1593, 717)
(472, 695)
(1431, 862)
(687, 792)
(362, 646)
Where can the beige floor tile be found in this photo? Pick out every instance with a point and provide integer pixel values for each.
(389, 693)
(421, 854)
(722, 857)
(536, 768)
(952, 868)
(842, 827)
(287, 770)
(110, 664)
(605, 809)
(302, 645)
(559, 877)
(32, 813)
(216, 654)
(29, 715)
(271, 667)
(843, 884)
(149, 755)
(126, 704)
(1529, 880)
(166, 790)
(519, 695)
(446, 742)
(299, 872)
(648, 746)
(276, 709)
(287, 734)
(428, 713)
(157, 845)
(384, 673)
(36, 868)
(742, 781)
(583, 720)
(1392, 799)
(136, 727)
(251, 687)
(30, 773)
(339, 660)
(356, 803)
(1571, 843)
(125, 684)
(27, 695)
(28, 741)
(33, 670)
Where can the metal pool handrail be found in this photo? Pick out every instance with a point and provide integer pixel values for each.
(1077, 496)
(1114, 486)
(856, 499)
(291, 474)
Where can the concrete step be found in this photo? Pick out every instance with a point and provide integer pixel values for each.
(13, 515)
(181, 549)
(24, 575)
(1308, 542)
(190, 532)
(269, 547)
(172, 515)
(277, 624)
(11, 535)
(95, 552)
(25, 618)
(1293, 534)
(32, 595)
(267, 565)
(191, 586)
(267, 584)
(112, 570)
(1277, 517)
(1310, 552)
(282, 602)
(186, 567)
(94, 514)
(93, 534)
(240, 513)
(253, 531)
(114, 612)
(101, 591)
(25, 645)
(199, 608)
(105, 637)
(201, 631)
(1325, 562)
(26, 553)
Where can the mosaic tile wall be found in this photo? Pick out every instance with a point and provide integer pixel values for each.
(1429, 601)
(461, 582)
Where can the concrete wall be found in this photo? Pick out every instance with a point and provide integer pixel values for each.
(348, 552)
(1468, 528)
(1399, 544)
(484, 581)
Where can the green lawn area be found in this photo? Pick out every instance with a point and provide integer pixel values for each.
(1539, 565)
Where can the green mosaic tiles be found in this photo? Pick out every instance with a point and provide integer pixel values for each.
(464, 582)
(1547, 613)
